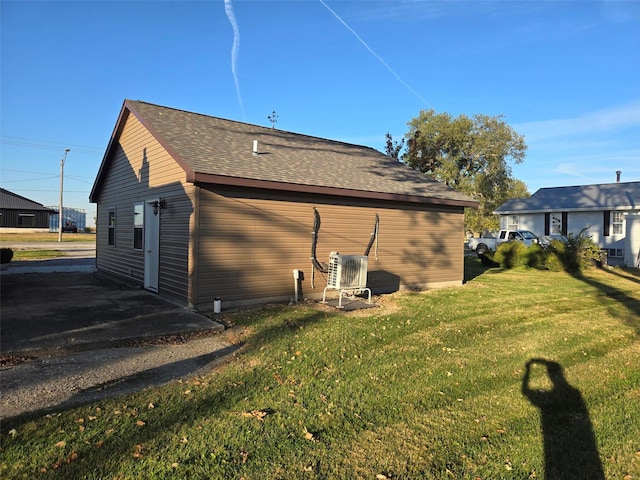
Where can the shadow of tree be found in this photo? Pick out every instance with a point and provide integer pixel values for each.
(615, 296)
(570, 448)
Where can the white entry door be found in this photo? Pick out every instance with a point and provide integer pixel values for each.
(151, 245)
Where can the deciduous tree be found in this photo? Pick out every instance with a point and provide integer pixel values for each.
(470, 154)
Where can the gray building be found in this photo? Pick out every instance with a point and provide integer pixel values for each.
(20, 214)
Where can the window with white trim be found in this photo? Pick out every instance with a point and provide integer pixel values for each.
(555, 223)
(617, 223)
(138, 225)
(513, 222)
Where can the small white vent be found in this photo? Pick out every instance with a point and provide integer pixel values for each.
(347, 271)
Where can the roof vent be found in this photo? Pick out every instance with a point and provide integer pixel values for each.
(618, 173)
(255, 147)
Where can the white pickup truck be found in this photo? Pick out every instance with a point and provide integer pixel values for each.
(484, 244)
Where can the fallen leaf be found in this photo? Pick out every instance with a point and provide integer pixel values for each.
(99, 443)
(91, 418)
(381, 477)
(73, 456)
(151, 405)
(138, 451)
(184, 440)
(140, 423)
(61, 443)
(308, 436)
(13, 432)
(259, 414)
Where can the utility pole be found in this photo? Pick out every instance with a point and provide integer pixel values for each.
(61, 184)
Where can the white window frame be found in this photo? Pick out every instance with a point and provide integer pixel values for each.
(138, 226)
(617, 223)
(555, 223)
(513, 222)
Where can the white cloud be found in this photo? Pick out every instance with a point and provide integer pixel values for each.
(601, 121)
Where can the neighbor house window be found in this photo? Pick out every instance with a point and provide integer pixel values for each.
(138, 225)
(617, 219)
(616, 252)
(112, 226)
(512, 222)
(556, 224)
(26, 220)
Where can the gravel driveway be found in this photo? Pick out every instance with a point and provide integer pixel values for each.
(55, 382)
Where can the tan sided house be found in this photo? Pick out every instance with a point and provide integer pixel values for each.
(197, 207)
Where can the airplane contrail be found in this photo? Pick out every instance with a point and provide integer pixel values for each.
(228, 8)
(376, 55)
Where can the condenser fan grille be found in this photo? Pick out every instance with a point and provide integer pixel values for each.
(347, 271)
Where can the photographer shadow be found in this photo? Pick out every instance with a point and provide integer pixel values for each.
(570, 448)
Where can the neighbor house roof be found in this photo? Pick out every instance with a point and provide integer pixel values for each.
(13, 201)
(217, 151)
(606, 196)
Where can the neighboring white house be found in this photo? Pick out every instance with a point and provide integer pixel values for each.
(610, 212)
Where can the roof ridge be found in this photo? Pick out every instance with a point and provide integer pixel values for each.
(588, 185)
(267, 129)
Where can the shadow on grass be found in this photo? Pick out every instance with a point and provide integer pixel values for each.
(475, 266)
(570, 449)
(610, 294)
(172, 413)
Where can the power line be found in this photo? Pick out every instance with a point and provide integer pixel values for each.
(47, 173)
(47, 144)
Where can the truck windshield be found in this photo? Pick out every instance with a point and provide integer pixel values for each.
(527, 235)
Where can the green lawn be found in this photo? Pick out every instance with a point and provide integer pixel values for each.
(37, 254)
(428, 385)
(47, 237)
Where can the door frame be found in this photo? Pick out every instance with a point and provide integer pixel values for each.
(152, 244)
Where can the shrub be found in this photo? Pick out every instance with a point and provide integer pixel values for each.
(6, 254)
(577, 253)
(584, 249)
(536, 256)
(555, 256)
(511, 255)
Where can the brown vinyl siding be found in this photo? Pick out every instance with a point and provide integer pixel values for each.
(251, 241)
(140, 169)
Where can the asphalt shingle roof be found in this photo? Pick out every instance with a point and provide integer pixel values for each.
(211, 146)
(606, 196)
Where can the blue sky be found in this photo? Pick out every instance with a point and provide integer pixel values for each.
(566, 75)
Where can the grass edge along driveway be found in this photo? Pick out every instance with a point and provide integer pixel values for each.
(516, 375)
